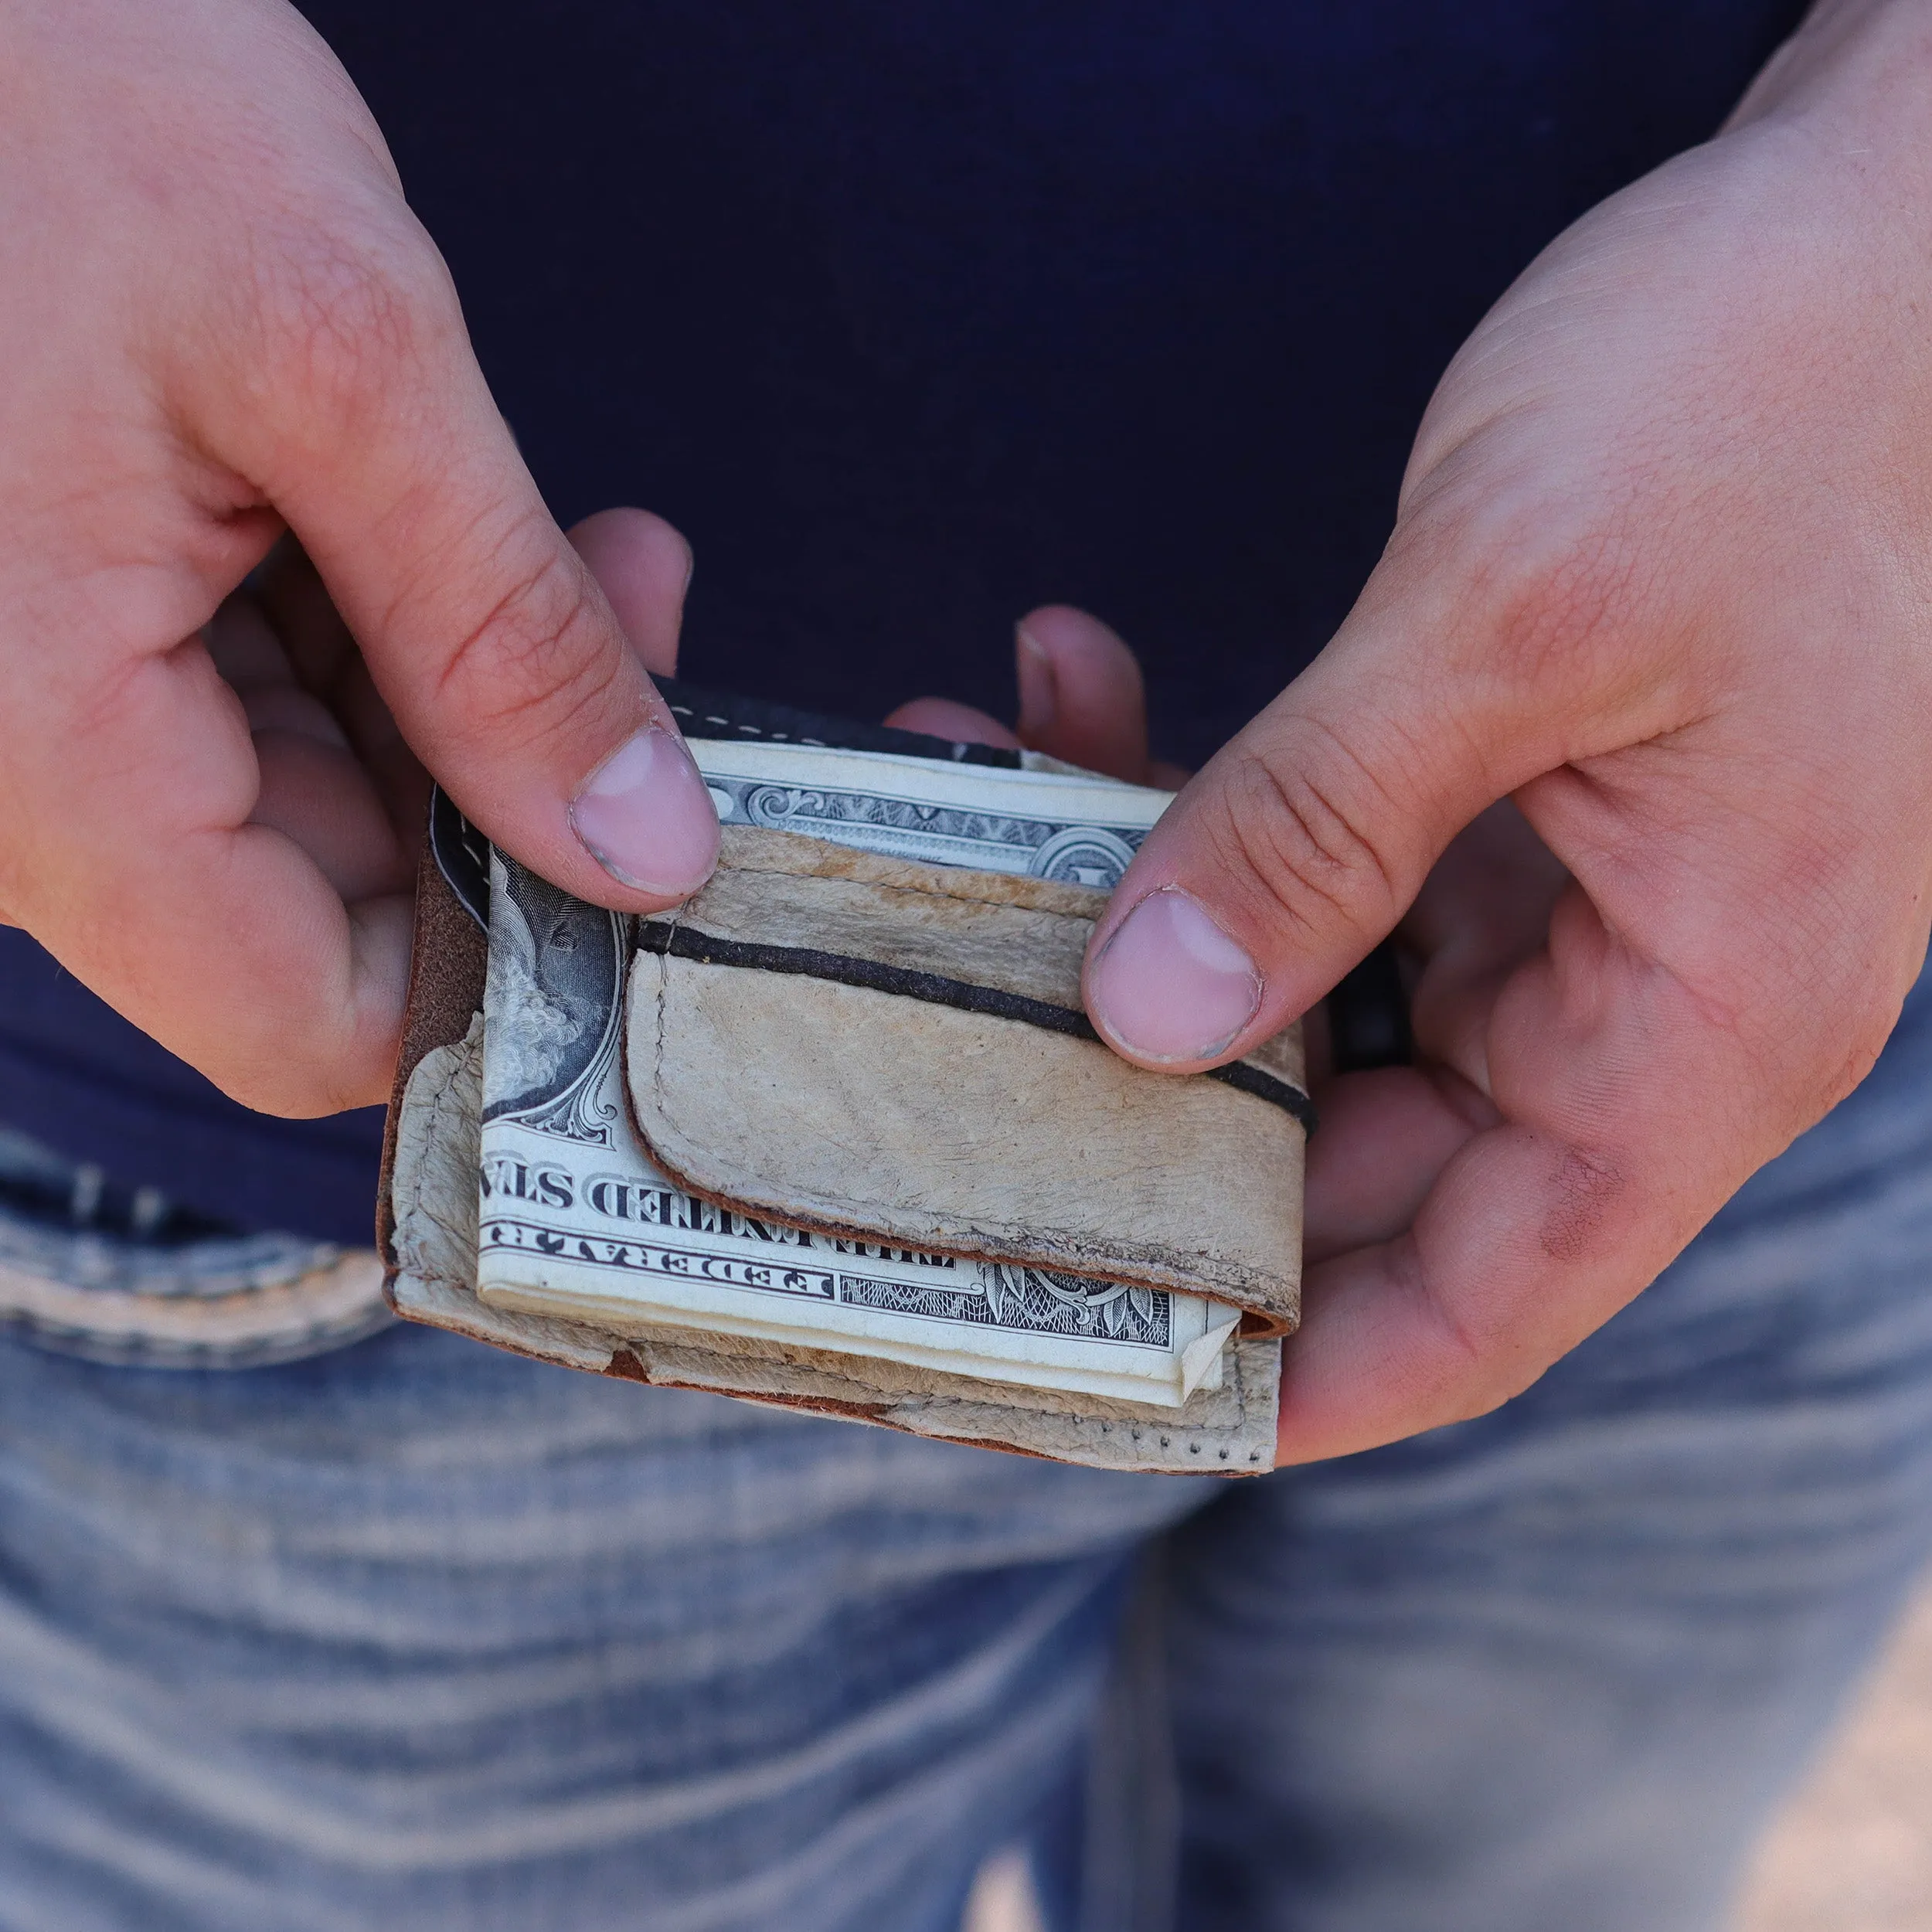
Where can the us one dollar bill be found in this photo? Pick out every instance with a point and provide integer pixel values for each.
(575, 1220)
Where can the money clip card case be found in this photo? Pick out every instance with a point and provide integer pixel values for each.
(836, 1134)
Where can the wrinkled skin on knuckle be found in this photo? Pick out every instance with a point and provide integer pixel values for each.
(539, 659)
(1477, 1359)
(331, 1044)
(1302, 847)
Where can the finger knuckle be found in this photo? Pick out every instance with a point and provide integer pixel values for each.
(1475, 1361)
(1305, 830)
(539, 656)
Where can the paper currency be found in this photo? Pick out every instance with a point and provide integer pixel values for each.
(575, 1220)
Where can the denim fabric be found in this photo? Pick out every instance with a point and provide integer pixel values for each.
(417, 1635)
(1554, 1667)
(128, 1276)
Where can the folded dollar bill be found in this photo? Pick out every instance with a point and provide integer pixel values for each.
(837, 1132)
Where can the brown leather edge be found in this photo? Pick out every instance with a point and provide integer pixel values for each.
(626, 1367)
(449, 957)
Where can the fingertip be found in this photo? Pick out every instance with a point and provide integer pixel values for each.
(1039, 686)
(1169, 988)
(1068, 634)
(643, 566)
(646, 816)
(960, 724)
(1082, 698)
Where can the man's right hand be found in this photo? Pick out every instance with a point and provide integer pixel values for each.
(218, 318)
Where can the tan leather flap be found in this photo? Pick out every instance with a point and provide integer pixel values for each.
(896, 1052)
(1229, 1430)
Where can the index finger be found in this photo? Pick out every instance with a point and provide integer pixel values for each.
(352, 400)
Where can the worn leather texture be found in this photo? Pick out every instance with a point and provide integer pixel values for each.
(432, 1257)
(1086, 1118)
(450, 956)
(762, 1077)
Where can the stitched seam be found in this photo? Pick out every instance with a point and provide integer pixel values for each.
(746, 730)
(664, 977)
(437, 1096)
(438, 1099)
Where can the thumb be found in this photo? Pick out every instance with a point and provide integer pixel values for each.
(485, 632)
(1297, 849)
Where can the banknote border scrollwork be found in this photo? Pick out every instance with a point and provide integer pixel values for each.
(1000, 841)
(1026, 1300)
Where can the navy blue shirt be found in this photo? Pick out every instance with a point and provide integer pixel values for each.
(914, 313)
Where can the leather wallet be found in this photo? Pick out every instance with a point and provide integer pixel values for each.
(869, 1047)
